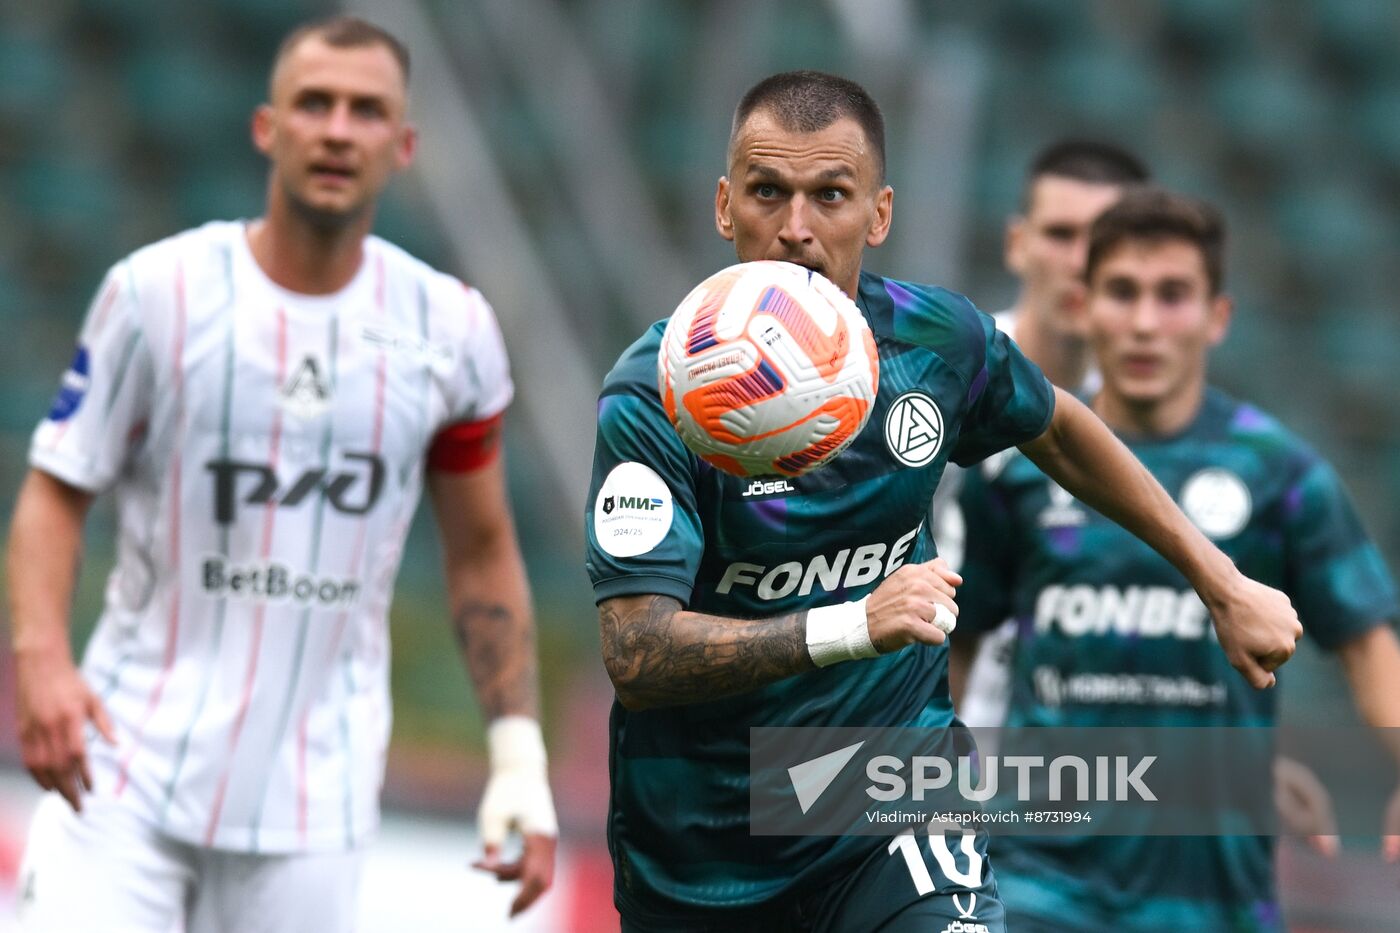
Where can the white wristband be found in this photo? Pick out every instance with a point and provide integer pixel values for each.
(515, 742)
(839, 633)
(517, 792)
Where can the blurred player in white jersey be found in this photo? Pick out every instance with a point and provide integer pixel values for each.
(264, 401)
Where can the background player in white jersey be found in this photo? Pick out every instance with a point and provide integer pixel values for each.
(264, 401)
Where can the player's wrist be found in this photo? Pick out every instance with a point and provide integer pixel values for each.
(516, 743)
(517, 794)
(839, 633)
(1214, 576)
(42, 648)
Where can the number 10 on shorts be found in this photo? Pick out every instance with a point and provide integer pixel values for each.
(907, 844)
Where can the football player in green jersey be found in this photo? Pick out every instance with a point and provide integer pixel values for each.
(1109, 634)
(1068, 184)
(726, 605)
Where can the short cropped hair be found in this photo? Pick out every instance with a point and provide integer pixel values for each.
(809, 101)
(1155, 215)
(1085, 160)
(344, 32)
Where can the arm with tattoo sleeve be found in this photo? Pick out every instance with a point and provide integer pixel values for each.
(659, 654)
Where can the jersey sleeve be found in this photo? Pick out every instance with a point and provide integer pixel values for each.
(484, 387)
(100, 414)
(1010, 400)
(641, 525)
(988, 566)
(1335, 575)
(479, 391)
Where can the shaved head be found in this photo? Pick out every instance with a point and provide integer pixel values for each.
(340, 32)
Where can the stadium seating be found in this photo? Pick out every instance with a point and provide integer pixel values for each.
(121, 123)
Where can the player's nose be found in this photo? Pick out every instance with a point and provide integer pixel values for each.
(1079, 253)
(795, 228)
(337, 123)
(1145, 315)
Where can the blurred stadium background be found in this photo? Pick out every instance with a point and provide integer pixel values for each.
(570, 150)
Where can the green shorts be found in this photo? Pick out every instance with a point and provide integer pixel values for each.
(911, 883)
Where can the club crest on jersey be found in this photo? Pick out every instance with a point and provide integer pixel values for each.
(306, 394)
(914, 429)
(1217, 502)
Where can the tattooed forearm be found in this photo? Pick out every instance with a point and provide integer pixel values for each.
(659, 655)
(499, 649)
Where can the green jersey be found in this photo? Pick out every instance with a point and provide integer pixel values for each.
(1110, 634)
(662, 521)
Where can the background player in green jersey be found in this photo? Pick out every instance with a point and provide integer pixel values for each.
(1034, 553)
(1068, 184)
(712, 607)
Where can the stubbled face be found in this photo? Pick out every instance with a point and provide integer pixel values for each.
(334, 129)
(814, 199)
(1152, 321)
(1046, 247)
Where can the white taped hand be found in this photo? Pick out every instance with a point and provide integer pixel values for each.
(517, 793)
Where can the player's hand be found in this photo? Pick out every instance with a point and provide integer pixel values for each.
(1304, 806)
(534, 869)
(1257, 627)
(55, 705)
(1390, 829)
(517, 799)
(904, 606)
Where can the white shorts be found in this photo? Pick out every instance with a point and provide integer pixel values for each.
(106, 869)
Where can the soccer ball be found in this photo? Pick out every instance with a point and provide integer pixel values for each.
(766, 368)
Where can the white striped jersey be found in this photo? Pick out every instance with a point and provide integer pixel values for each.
(266, 451)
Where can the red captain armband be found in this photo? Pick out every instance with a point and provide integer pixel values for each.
(466, 445)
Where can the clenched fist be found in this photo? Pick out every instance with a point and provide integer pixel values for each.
(913, 604)
(1257, 627)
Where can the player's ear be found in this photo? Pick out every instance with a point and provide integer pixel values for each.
(723, 222)
(1014, 245)
(407, 147)
(884, 214)
(264, 129)
(1222, 308)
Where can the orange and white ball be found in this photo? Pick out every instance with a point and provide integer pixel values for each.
(767, 369)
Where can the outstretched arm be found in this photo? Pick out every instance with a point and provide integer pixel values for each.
(1257, 626)
(659, 654)
(494, 625)
(54, 703)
